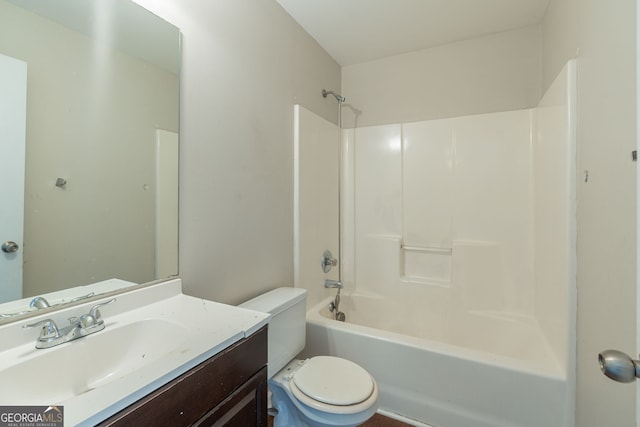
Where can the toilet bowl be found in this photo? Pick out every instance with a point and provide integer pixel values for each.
(323, 391)
(316, 392)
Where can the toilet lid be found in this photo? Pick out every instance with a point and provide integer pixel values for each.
(334, 381)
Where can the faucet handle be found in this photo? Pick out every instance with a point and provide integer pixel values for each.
(95, 313)
(49, 328)
(328, 261)
(80, 298)
(87, 321)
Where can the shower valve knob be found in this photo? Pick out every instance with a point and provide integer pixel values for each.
(328, 261)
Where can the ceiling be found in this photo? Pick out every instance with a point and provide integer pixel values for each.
(355, 31)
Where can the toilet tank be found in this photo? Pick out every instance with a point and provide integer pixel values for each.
(287, 326)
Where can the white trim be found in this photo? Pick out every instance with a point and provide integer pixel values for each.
(402, 418)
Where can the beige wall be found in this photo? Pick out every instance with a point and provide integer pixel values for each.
(245, 64)
(101, 225)
(603, 34)
(499, 72)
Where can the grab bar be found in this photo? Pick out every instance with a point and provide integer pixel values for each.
(426, 249)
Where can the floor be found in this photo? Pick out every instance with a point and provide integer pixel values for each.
(376, 421)
(380, 421)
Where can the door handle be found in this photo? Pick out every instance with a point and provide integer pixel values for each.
(618, 366)
(10, 247)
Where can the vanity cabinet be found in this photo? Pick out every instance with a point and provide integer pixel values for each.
(229, 389)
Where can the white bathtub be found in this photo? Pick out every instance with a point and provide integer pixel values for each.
(446, 368)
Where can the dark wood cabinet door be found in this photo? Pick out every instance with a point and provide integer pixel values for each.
(244, 407)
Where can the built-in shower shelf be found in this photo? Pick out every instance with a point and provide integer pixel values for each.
(426, 249)
(425, 264)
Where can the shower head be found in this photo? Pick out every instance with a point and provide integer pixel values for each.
(339, 98)
(618, 366)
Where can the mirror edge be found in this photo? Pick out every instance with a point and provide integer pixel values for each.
(65, 305)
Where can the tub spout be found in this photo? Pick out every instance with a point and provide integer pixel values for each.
(333, 284)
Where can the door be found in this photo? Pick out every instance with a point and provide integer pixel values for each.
(13, 118)
(166, 204)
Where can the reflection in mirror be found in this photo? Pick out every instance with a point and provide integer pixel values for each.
(98, 140)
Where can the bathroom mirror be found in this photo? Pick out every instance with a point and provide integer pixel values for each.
(100, 146)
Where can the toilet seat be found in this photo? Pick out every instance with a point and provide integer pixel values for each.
(332, 384)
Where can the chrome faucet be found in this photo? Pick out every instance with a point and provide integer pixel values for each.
(51, 335)
(334, 306)
(333, 284)
(38, 303)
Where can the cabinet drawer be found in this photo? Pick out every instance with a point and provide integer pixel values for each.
(246, 406)
(188, 398)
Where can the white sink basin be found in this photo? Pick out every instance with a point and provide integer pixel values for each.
(74, 368)
(151, 336)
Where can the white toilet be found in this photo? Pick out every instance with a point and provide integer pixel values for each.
(320, 391)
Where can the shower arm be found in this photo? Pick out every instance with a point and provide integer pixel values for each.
(338, 97)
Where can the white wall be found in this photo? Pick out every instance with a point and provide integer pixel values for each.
(245, 63)
(604, 34)
(316, 211)
(101, 225)
(442, 210)
(495, 73)
(554, 216)
(460, 191)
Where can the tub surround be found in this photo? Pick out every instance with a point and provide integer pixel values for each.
(510, 341)
(458, 239)
(479, 210)
(316, 205)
